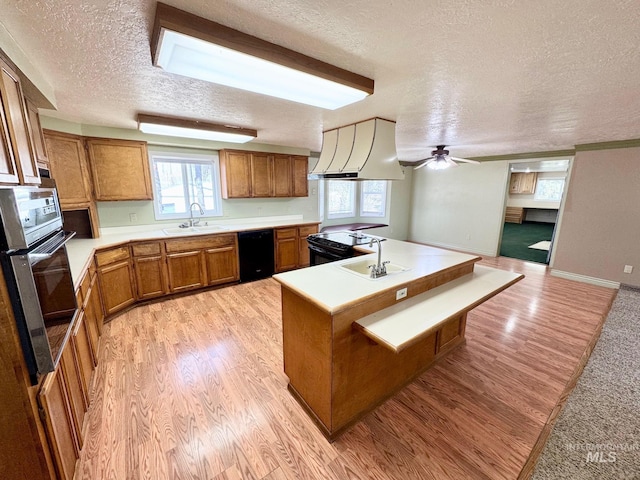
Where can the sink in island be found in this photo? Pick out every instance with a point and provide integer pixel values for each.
(351, 342)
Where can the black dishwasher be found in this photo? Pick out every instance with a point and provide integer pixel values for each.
(256, 254)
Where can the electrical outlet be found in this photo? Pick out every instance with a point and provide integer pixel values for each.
(133, 217)
(628, 269)
(400, 294)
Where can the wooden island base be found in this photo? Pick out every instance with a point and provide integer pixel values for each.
(382, 381)
(339, 373)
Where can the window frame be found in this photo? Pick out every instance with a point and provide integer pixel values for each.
(184, 159)
(352, 212)
(384, 202)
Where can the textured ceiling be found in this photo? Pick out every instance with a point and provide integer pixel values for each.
(485, 77)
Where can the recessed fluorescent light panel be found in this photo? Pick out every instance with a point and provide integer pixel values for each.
(177, 127)
(221, 55)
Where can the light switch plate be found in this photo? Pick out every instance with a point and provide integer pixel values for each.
(628, 269)
(400, 294)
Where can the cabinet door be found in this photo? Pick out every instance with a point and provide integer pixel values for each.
(83, 353)
(59, 424)
(68, 164)
(116, 286)
(151, 276)
(261, 175)
(300, 173)
(514, 183)
(91, 320)
(8, 169)
(19, 128)
(282, 176)
(70, 369)
(120, 169)
(222, 265)
(95, 299)
(236, 174)
(37, 138)
(304, 259)
(186, 270)
(528, 183)
(286, 249)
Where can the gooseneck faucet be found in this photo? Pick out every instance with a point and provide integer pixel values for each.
(193, 222)
(379, 270)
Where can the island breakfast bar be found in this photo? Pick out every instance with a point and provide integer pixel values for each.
(351, 342)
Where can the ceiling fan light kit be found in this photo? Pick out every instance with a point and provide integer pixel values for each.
(179, 127)
(439, 160)
(189, 45)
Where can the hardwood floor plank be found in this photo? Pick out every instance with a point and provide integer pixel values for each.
(193, 387)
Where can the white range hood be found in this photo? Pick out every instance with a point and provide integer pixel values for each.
(362, 151)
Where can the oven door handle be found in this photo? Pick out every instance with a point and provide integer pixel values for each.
(47, 249)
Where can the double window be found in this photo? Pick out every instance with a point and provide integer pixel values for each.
(351, 199)
(181, 179)
(549, 189)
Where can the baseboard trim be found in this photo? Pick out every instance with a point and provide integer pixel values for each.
(458, 248)
(586, 279)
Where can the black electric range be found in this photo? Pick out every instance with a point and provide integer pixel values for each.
(333, 246)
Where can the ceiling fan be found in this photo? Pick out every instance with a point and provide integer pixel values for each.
(438, 160)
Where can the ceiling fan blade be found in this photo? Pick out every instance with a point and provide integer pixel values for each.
(466, 160)
(413, 163)
(450, 162)
(424, 163)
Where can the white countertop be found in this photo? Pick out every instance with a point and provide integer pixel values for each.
(333, 288)
(80, 250)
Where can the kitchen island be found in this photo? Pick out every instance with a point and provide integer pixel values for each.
(350, 342)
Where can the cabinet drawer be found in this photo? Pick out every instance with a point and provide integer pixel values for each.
(200, 243)
(306, 231)
(106, 257)
(146, 249)
(286, 233)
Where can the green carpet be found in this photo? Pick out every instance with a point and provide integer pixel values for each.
(516, 239)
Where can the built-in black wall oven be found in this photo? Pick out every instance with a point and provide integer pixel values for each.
(36, 270)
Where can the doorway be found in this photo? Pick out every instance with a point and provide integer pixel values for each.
(533, 202)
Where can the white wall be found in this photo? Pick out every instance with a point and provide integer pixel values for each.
(460, 208)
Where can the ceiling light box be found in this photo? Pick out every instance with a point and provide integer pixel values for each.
(178, 127)
(189, 45)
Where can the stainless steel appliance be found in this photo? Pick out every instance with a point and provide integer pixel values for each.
(333, 246)
(36, 270)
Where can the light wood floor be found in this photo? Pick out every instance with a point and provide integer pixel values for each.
(193, 388)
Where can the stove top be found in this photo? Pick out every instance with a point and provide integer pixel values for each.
(340, 241)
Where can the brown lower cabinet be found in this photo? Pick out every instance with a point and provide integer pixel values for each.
(292, 250)
(65, 394)
(115, 279)
(59, 423)
(150, 268)
(200, 261)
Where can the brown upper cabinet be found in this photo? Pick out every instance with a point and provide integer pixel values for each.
(68, 165)
(523, 183)
(37, 138)
(300, 169)
(17, 157)
(257, 174)
(120, 169)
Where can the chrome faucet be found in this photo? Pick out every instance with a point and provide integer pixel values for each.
(379, 270)
(193, 222)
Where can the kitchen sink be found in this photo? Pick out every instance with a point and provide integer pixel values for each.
(196, 229)
(361, 267)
